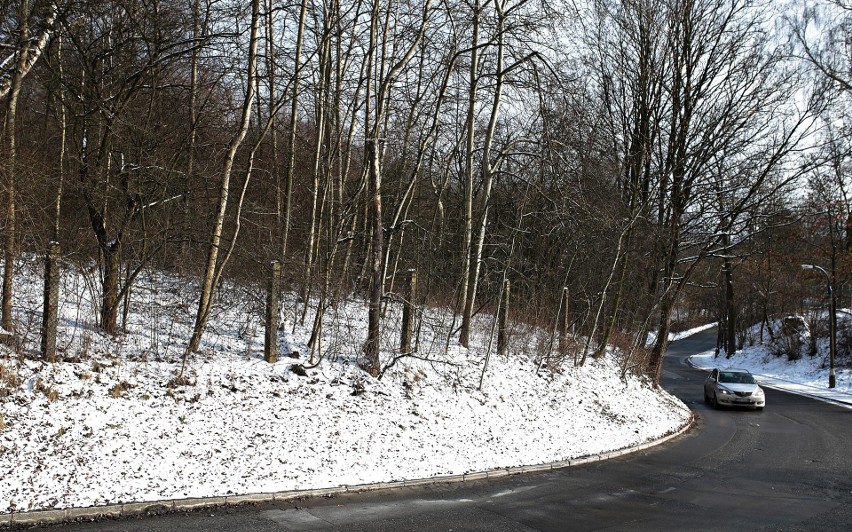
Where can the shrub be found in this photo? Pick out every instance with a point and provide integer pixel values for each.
(118, 390)
(795, 334)
(51, 394)
(844, 342)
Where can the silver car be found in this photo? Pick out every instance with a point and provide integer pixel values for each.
(733, 387)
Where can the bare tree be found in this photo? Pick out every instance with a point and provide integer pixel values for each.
(821, 32)
(730, 103)
(27, 48)
(387, 67)
(489, 163)
(212, 271)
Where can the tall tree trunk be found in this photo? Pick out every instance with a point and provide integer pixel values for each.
(619, 293)
(51, 270)
(271, 80)
(63, 141)
(10, 241)
(470, 132)
(487, 171)
(371, 347)
(193, 139)
(273, 296)
(111, 281)
(317, 206)
(372, 361)
(671, 290)
(291, 136)
(207, 287)
(730, 308)
(375, 125)
(655, 363)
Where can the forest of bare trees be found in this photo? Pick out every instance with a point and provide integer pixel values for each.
(626, 166)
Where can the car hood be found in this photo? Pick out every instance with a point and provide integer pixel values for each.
(736, 387)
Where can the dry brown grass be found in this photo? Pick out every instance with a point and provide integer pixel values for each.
(51, 394)
(118, 390)
(9, 379)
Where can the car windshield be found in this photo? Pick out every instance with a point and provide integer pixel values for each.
(735, 377)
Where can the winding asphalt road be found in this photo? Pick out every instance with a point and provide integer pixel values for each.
(788, 467)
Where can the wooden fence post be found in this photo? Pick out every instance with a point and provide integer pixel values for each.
(50, 316)
(408, 310)
(273, 296)
(563, 333)
(502, 321)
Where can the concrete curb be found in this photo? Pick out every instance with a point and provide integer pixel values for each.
(130, 509)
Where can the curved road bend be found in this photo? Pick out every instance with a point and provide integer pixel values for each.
(786, 468)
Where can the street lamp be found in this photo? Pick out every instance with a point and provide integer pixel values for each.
(832, 323)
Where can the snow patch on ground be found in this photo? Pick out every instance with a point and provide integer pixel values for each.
(675, 336)
(105, 425)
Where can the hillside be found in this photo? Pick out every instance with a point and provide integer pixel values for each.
(109, 424)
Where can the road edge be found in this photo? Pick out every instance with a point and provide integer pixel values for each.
(132, 509)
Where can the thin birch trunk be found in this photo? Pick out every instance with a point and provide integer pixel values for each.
(10, 240)
(487, 171)
(316, 209)
(193, 137)
(470, 133)
(208, 285)
(291, 138)
(372, 363)
(63, 141)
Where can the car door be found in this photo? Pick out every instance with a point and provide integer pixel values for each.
(710, 383)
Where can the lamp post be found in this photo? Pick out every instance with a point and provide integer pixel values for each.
(832, 323)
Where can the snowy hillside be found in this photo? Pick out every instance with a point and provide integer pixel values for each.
(108, 424)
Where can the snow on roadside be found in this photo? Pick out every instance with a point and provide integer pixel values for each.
(807, 375)
(674, 336)
(104, 427)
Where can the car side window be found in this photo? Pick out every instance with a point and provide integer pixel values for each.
(714, 375)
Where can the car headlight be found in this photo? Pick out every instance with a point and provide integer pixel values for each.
(726, 392)
(758, 392)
